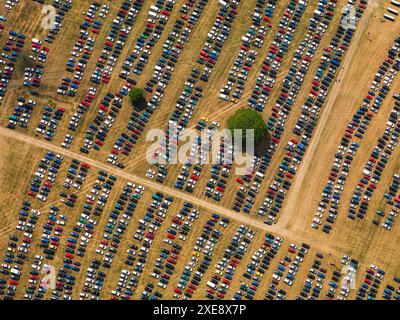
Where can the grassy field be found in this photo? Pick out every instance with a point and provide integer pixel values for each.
(359, 239)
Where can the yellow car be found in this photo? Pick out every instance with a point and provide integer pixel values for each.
(196, 254)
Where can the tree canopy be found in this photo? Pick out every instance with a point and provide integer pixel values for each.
(137, 98)
(248, 119)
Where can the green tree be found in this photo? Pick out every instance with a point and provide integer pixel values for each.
(249, 119)
(138, 100)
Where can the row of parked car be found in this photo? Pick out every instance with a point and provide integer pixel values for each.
(316, 278)
(297, 146)
(77, 116)
(115, 41)
(288, 93)
(163, 71)
(349, 145)
(20, 242)
(97, 131)
(50, 120)
(158, 15)
(192, 92)
(170, 252)
(51, 236)
(201, 257)
(392, 199)
(191, 170)
(16, 254)
(113, 233)
(370, 286)
(300, 65)
(276, 53)
(198, 155)
(256, 268)
(76, 176)
(22, 113)
(81, 234)
(82, 50)
(252, 41)
(220, 172)
(375, 166)
(145, 43)
(225, 268)
(45, 176)
(287, 270)
(390, 292)
(10, 4)
(9, 54)
(61, 8)
(2, 25)
(33, 74)
(139, 246)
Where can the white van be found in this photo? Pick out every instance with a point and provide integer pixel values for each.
(153, 15)
(224, 97)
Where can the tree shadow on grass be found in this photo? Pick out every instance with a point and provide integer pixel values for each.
(141, 104)
(260, 149)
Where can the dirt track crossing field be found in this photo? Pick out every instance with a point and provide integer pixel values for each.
(133, 233)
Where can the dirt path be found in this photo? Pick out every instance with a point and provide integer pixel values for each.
(241, 218)
(297, 187)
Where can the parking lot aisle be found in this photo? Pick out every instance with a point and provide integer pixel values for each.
(186, 103)
(327, 114)
(348, 148)
(168, 253)
(113, 234)
(110, 276)
(286, 272)
(298, 145)
(21, 242)
(23, 10)
(155, 186)
(161, 77)
(224, 272)
(374, 168)
(288, 93)
(81, 237)
(142, 241)
(102, 124)
(255, 268)
(198, 257)
(392, 289)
